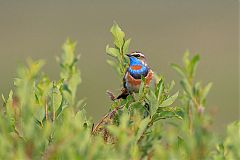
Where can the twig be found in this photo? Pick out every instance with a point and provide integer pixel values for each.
(46, 111)
(190, 116)
(53, 107)
(111, 95)
(109, 115)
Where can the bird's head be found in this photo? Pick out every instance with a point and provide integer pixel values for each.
(137, 58)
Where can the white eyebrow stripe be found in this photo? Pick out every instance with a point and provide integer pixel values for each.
(138, 53)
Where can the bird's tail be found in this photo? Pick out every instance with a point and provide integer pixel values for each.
(124, 94)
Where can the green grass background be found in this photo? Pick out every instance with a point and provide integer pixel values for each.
(162, 30)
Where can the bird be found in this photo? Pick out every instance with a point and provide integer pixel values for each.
(132, 78)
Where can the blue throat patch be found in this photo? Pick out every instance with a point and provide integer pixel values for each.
(137, 73)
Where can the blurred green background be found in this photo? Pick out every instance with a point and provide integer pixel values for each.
(162, 30)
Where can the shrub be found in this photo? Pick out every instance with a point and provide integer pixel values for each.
(43, 119)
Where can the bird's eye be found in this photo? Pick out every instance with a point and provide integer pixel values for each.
(136, 55)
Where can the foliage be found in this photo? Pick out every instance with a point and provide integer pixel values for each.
(42, 119)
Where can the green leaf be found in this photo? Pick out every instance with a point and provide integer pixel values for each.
(186, 86)
(160, 88)
(69, 49)
(114, 130)
(82, 116)
(80, 104)
(126, 46)
(180, 142)
(172, 84)
(170, 112)
(74, 81)
(142, 128)
(151, 97)
(118, 35)
(169, 100)
(136, 104)
(112, 51)
(157, 77)
(56, 99)
(4, 100)
(179, 113)
(193, 65)
(178, 69)
(163, 115)
(186, 60)
(205, 91)
(196, 88)
(10, 99)
(142, 88)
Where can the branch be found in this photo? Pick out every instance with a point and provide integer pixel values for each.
(109, 115)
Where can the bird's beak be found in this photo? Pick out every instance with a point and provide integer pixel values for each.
(129, 55)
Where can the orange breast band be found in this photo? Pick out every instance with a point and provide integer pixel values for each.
(136, 67)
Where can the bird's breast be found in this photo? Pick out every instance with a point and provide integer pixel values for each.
(133, 84)
(137, 71)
